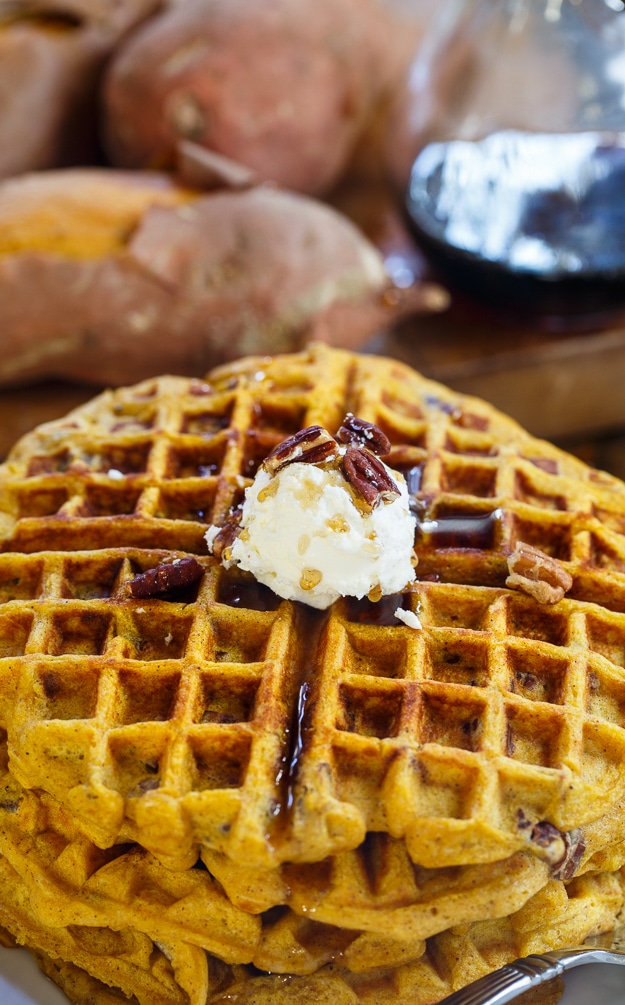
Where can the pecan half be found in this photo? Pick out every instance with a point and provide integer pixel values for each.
(163, 578)
(361, 433)
(368, 476)
(311, 445)
(538, 574)
(227, 534)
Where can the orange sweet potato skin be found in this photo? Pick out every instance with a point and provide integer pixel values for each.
(283, 87)
(52, 53)
(189, 286)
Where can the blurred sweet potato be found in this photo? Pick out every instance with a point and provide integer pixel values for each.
(406, 22)
(52, 53)
(109, 276)
(283, 87)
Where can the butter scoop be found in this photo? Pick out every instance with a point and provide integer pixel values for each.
(324, 518)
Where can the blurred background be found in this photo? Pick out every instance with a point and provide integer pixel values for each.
(186, 181)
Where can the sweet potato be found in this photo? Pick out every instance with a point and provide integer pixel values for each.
(52, 53)
(406, 22)
(283, 87)
(109, 276)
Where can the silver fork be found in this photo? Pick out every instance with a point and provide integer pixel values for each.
(513, 979)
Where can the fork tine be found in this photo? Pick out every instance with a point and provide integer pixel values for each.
(513, 979)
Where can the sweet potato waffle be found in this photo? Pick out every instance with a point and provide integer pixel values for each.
(215, 716)
(103, 920)
(221, 907)
(150, 718)
(324, 963)
(207, 792)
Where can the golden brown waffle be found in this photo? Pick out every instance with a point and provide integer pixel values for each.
(170, 454)
(128, 960)
(79, 986)
(119, 918)
(325, 961)
(82, 989)
(559, 914)
(376, 890)
(147, 717)
(162, 690)
(71, 881)
(282, 735)
(64, 883)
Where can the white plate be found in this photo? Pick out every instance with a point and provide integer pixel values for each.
(22, 983)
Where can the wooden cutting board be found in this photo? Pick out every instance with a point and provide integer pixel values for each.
(21, 409)
(558, 386)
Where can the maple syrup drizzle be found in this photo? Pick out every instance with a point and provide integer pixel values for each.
(298, 744)
(461, 530)
(250, 595)
(379, 612)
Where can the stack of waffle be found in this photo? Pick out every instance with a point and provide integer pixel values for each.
(209, 794)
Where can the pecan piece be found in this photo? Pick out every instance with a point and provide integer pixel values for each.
(361, 433)
(538, 574)
(163, 578)
(575, 846)
(10, 806)
(563, 850)
(548, 841)
(368, 476)
(311, 445)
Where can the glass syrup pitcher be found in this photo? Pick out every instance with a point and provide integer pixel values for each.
(508, 152)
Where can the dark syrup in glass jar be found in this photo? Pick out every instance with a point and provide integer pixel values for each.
(532, 221)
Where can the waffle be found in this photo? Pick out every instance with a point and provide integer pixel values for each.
(376, 892)
(79, 986)
(74, 740)
(326, 963)
(63, 897)
(127, 960)
(219, 718)
(378, 888)
(72, 881)
(82, 989)
(382, 814)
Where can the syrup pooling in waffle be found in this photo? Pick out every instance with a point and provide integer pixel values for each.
(286, 735)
